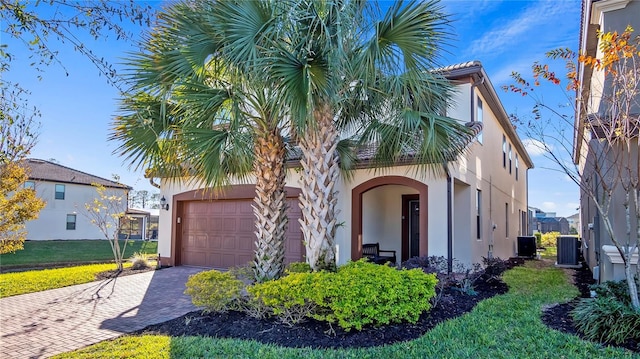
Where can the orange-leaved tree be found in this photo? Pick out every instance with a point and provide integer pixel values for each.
(602, 138)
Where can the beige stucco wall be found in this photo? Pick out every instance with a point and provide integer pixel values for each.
(482, 169)
(52, 221)
(609, 15)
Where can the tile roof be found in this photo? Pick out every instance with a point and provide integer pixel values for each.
(463, 65)
(41, 170)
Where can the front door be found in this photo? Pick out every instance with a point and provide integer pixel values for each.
(414, 228)
(410, 226)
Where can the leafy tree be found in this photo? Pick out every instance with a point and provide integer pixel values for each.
(108, 212)
(39, 25)
(18, 135)
(17, 205)
(610, 150)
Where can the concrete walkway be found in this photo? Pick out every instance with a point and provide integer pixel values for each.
(39, 325)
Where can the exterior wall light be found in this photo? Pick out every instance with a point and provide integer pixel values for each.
(163, 203)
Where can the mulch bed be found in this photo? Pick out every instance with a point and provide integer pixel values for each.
(125, 272)
(559, 318)
(318, 334)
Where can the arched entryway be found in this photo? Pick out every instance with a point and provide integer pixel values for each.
(417, 197)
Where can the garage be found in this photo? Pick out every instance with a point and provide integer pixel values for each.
(220, 233)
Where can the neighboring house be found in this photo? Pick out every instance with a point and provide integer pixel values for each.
(545, 222)
(65, 191)
(606, 16)
(574, 223)
(553, 224)
(477, 211)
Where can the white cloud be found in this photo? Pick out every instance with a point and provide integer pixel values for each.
(534, 147)
(529, 23)
(549, 206)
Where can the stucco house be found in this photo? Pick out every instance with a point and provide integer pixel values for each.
(599, 253)
(477, 210)
(65, 190)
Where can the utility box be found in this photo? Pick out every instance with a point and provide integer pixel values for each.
(527, 246)
(568, 251)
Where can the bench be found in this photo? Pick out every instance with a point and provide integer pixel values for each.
(373, 252)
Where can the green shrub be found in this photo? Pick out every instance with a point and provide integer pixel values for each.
(298, 267)
(358, 294)
(606, 319)
(364, 293)
(215, 291)
(618, 290)
(550, 239)
(290, 298)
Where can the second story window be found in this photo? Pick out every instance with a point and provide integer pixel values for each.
(517, 166)
(30, 185)
(59, 191)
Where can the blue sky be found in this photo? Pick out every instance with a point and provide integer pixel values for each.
(505, 36)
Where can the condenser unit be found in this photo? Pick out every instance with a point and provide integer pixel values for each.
(527, 246)
(568, 251)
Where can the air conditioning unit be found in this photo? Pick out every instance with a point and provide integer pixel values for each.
(527, 246)
(568, 251)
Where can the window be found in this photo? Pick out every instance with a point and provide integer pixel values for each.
(506, 220)
(30, 185)
(504, 151)
(59, 191)
(478, 212)
(71, 221)
(509, 158)
(517, 166)
(479, 117)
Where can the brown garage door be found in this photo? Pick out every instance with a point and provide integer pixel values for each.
(220, 234)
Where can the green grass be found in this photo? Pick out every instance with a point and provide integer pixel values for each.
(550, 253)
(506, 326)
(39, 253)
(38, 280)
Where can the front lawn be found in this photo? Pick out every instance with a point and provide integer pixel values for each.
(38, 280)
(506, 326)
(43, 253)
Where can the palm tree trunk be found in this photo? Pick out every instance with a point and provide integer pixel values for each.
(318, 197)
(270, 206)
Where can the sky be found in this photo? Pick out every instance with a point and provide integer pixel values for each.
(77, 109)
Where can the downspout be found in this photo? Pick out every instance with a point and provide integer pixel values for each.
(449, 221)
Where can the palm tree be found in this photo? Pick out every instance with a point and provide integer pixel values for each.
(196, 109)
(217, 76)
(344, 68)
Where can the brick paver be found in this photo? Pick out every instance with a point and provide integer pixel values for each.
(39, 325)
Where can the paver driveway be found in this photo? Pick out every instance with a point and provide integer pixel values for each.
(42, 324)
